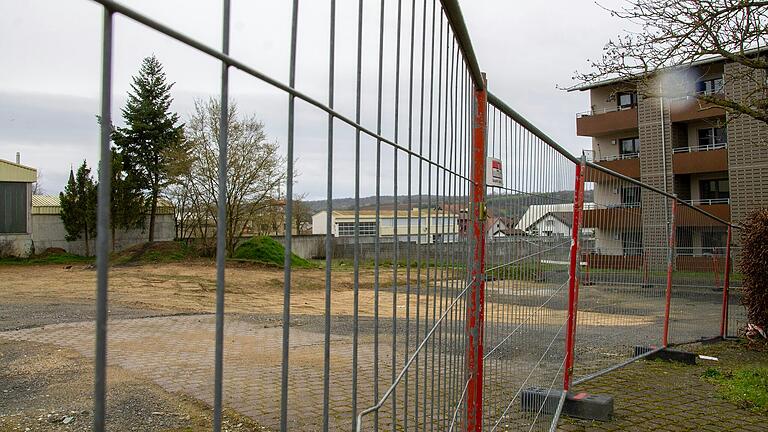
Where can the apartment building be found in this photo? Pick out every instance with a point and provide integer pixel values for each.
(716, 161)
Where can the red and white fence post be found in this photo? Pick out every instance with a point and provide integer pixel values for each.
(476, 297)
(670, 270)
(726, 286)
(573, 273)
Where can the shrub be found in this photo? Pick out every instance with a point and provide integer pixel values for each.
(754, 266)
(266, 250)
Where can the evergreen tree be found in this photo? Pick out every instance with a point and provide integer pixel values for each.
(152, 139)
(128, 209)
(78, 206)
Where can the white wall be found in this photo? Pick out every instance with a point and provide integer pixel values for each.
(607, 194)
(608, 242)
(48, 231)
(318, 223)
(550, 223)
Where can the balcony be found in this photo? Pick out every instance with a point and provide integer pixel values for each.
(627, 164)
(700, 159)
(621, 216)
(690, 108)
(720, 207)
(605, 121)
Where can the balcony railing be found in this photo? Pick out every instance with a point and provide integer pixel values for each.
(707, 147)
(590, 155)
(604, 110)
(710, 201)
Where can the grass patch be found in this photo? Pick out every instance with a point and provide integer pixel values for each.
(266, 250)
(746, 387)
(58, 258)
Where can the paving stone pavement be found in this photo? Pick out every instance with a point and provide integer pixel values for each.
(177, 352)
(665, 396)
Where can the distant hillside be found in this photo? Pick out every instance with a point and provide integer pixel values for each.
(513, 206)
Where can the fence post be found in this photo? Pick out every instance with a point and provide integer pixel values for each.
(670, 269)
(476, 301)
(573, 273)
(726, 286)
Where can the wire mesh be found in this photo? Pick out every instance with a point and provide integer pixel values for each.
(528, 220)
(622, 271)
(441, 299)
(698, 276)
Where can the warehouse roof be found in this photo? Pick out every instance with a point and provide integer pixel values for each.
(13, 172)
(50, 204)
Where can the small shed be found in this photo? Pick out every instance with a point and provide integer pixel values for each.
(16, 208)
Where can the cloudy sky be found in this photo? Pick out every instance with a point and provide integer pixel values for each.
(49, 78)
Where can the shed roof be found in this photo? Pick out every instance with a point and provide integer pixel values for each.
(50, 204)
(13, 172)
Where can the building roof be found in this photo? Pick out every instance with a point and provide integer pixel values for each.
(13, 172)
(50, 204)
(564, 217)
(538, 211)
(700, 62)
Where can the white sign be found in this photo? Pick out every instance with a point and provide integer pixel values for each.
(493, 173)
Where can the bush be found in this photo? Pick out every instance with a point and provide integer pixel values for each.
(754, 266)
(266, 250)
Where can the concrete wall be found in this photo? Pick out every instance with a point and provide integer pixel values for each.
(747, 143)
(48, 231)
(20, 244)
(498, 249)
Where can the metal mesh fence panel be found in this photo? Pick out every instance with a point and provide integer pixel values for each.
(528, 219)
(469, 268)
(622, 272)
(698, 275)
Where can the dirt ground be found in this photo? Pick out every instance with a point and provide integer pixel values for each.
(190, 287)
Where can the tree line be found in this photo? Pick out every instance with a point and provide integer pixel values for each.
(156, 159)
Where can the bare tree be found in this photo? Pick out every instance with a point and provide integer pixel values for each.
(255, 169)
(679, 33)
(302, 215)
(37, 186)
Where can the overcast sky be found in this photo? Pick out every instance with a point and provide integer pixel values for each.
(49, 78)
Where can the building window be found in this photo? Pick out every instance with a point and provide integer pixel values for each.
(13, 208)
(712, 136)
(714, 189)
(347, 229)
(626, 100)
(629, 146)
(632, 243)
(713, 242)
(710, 86)
(630, 196)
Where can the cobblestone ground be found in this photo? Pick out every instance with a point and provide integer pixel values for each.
(177, 353)
(665, 396)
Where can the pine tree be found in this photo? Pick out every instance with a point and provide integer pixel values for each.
(152, 139)
(128, 205)
(78, 206)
